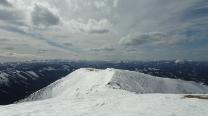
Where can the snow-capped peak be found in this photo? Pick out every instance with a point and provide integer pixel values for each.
(88, 80)
(112, 92)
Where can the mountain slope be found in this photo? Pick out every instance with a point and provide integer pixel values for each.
(85, 81)
(19, 80)
(111, 92)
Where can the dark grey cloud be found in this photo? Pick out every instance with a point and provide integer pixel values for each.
(39, 36)
(141, 38)
(9, 48)
(4, 39)
(156, 38)
(35, 35)
(95, 31)
(99, 31)
(42, 16)
(198, 10)
(67, 44)
(11, 15)
(5, 3)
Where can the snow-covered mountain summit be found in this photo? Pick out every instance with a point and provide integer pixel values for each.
(88, 80)
(112, 92)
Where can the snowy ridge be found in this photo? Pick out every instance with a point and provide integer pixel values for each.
(87, 81)
(111, 92)
(143, 83)
(3, 78)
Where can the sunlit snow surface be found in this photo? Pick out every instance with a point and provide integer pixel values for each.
(92, 92)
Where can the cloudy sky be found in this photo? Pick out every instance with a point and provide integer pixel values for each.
(104, 29)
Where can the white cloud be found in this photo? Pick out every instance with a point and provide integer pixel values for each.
(107, 48)
(115, 3)
(92, 26)
(100, 4)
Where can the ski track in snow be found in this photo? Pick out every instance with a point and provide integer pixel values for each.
(111, 92)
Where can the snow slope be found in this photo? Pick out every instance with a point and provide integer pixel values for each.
(85, 81)
(3, 78)
(92, 92)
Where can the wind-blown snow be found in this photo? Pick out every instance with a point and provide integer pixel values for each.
(111, 92)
